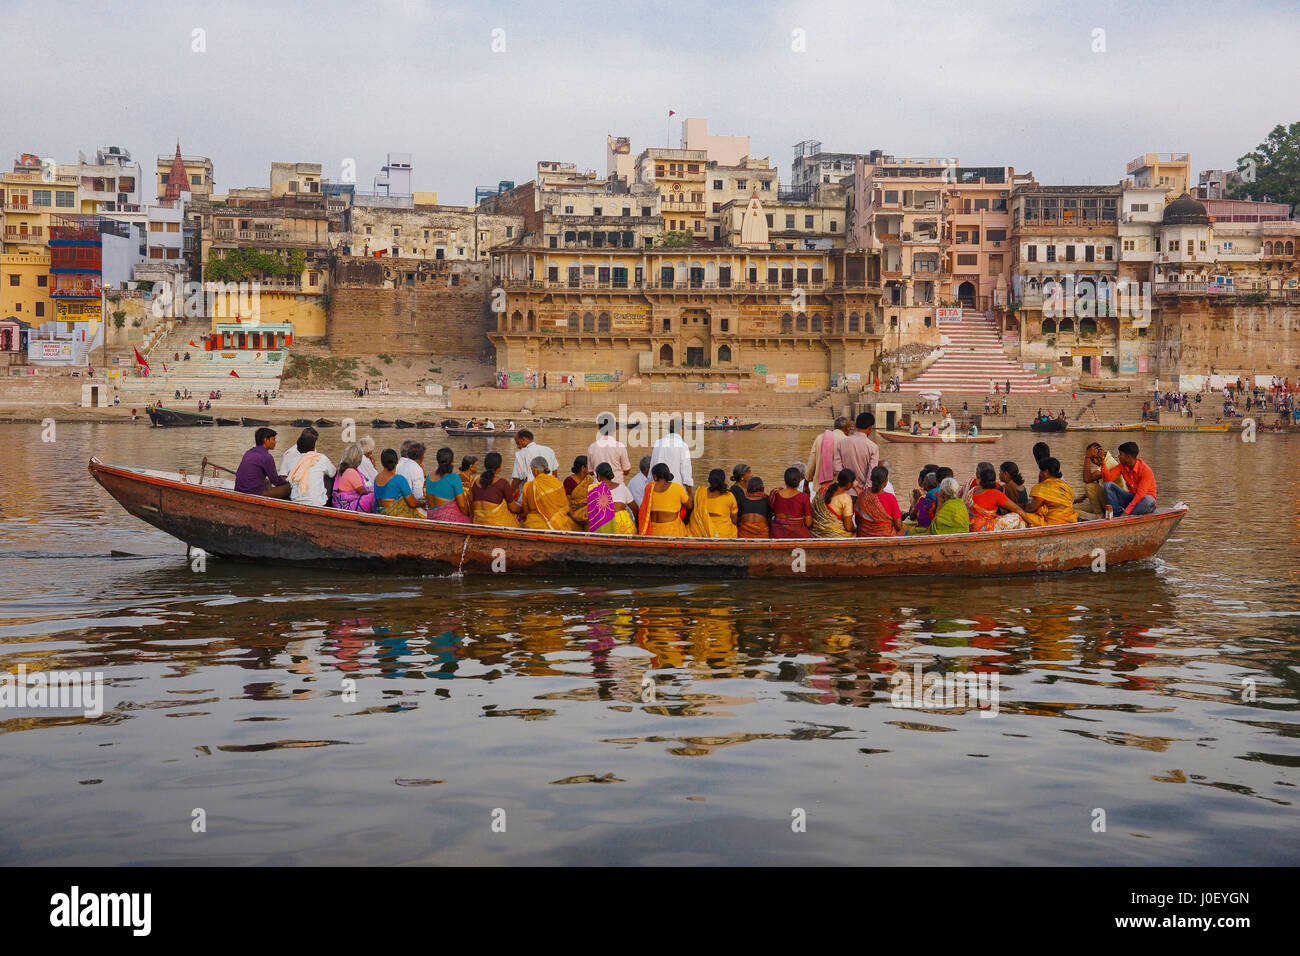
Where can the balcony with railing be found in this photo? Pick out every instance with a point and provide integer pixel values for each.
(75, 287)
(28, 234)
(21, 204)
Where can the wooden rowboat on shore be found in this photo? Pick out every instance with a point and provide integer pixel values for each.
(208, 514)
(954, 439)
(174, 418)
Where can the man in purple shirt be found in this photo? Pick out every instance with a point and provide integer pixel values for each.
(256, 474)
(858, 452)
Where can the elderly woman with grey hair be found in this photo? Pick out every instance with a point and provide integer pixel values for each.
(367, 466)
(952, 516)
(351, 491)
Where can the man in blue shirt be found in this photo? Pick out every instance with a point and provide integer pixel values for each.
(256, 474)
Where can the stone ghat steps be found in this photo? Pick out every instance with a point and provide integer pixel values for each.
(972, 358)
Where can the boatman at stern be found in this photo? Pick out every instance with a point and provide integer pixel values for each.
(256, 474)
(1140, 499)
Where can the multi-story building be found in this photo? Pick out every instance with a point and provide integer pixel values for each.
(735, 184)
(394, 178)
(30, 196)
(295, 179)
(723, 150)
(813, 168)
(790, 224)
(1171, 170)
(679, 176)
(1065, 262)
(405, 228)
(111, 184)
(1216, 183)
(977, 236)
(740, 314)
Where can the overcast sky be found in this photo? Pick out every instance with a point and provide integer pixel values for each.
(989, 82)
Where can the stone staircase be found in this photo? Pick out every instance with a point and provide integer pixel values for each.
(204, 373)
(972, 359)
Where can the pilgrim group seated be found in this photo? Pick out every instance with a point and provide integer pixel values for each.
(843, 490)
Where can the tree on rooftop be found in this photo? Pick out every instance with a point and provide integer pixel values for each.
(676, 239)
(1271, 171)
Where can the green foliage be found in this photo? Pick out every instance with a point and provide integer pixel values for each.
(119, 319)
(676, 239)
(241, 265)
(385, 358)
(1274, 165)
(297, 262)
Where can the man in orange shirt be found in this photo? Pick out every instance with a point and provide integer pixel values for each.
(1140, 498)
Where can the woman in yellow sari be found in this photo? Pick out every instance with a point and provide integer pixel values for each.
(832, 508)
(660, 511)
(490, 496)
(714, 512)
(543, 503)
(576, 487)
(1051, 501)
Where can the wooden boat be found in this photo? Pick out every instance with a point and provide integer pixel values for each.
(381, 423)
(403, 423)
(324, 423)
(227, 421)
(480, 432)
(425, 423)
(210, 515)
(1051, 425)
(1216, 427)
(253, 422)
(1110, 388)
(909, 438)
(1075, 427)
(301, 423)
(174, 418)
(729, 428)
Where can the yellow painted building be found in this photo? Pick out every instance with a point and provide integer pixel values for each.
(29, 198)
(24, 286)
(680, 176)
(1170, 170)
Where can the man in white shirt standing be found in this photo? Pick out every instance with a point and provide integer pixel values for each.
(307, 477)
(528, 450)
(607, 448)
(672, 450)
(294, 451)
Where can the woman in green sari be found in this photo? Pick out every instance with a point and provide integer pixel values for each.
(952, 516)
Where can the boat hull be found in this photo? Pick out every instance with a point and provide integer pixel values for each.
(1137, 427)
(905, 439)
(254, 422)
(1220, 427)
(247, 527)
(171, 418)
(1055, 425)
(480, 432)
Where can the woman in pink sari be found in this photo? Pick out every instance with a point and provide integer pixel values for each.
(445, 492)
(350, 491)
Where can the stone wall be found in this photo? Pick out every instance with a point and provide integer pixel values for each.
(409, 306)
(1231, 335)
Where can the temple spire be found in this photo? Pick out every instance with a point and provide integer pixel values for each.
(177, 180)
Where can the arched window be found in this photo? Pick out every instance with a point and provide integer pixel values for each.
(839, 323)
(787, 323)
(1049, 326)
(1087, 326)
(532, 321)
(1268, 248)
(588, 322)
(666, 355)
(853, 321)
(1290, 248)
(801, 323)
(724, 354)
(1067, 325)
(817, 322)
(517, 321)
(573, 321)
(602, 323)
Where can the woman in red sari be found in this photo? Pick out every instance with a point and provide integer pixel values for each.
(791, 508)
(876, 510)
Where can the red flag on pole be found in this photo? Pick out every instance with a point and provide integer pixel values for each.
(672, 112)
(234, 373)
(140, 358)
(192, 345)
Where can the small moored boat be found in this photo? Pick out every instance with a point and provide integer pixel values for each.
(730, 428)
(253, 422)
(1076, 427)
(174, 418)
(403, 423)
(1109, 388)
(1216, 427)
(301, 423)
(480, 432)
(909, 438)
(208, 515)
(227, 421)
(381, 423)
(1048, 425)
(324, 423)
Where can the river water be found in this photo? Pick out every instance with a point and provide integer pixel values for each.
(281, 716)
